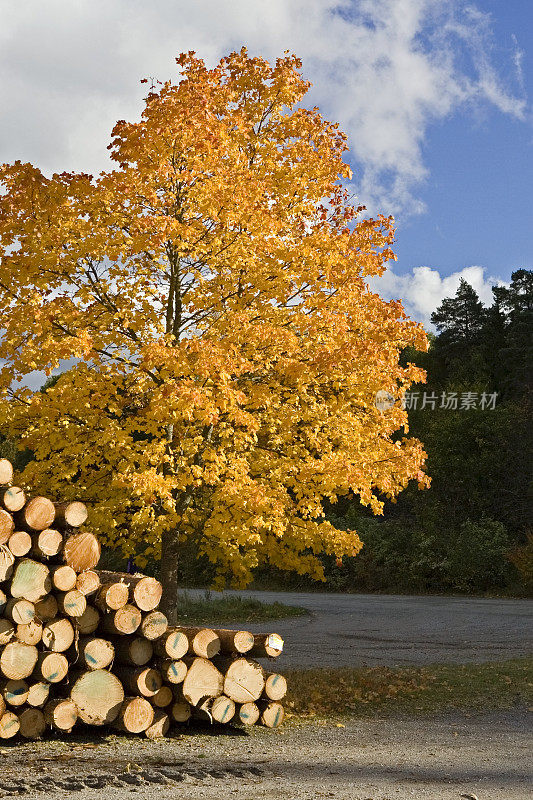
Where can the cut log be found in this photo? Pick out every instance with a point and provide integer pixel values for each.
(19, 611)
(202, 680)
(58, 634)
(172, 671)
(38, 694)
(72, 603)
(154, 625)
(47, 543)
(159, 726)
(163, 697)
(13, 499)
(7, 559)
(19, 543)
(203, 642)
(7, 631)
(7, 525)
(272, 714)
(266, 645)
(181, 711)
(173, 644)
(18, 660)
(235, 641)
(88, 582)
(135, 716)
(244, 679)
(98, 695)
(275, 686)
(71, 514)
(248, 713)
(14, 693)
(32, 724)
(123, 622)
(89, 621)
(144, 591)
(29, 633)
(82, 551)
(111, 596)
(6, 471)
(31, 580)
(95, 653)
(51, 667)
(61, 714)
(215, 709)
(46, 608)
(37, 514)
(9, 725)
(140, 680)
(135, 651)
(63, 578)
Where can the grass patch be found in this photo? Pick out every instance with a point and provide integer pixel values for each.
(214, 611)
(365, 691)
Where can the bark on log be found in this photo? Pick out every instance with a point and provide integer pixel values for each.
(95, 653)
(71, 515)
(21, 612)
(272, 714)
(72, 603)
(202, 680)
(29, 633)
(172, 671)
(58, 635)
(13, 499)
(82, 551)
(275, 686)
(3, 601)
(140, 680)
(248, 713)
(47, 543)
(144, 592)
(9, 725)
(63, 578)
(18, 660)
(111, 596)
(88, 582)
(6, 471)
(123, 622)
(51, 667)
(61, 714)
(7, 560)
(46, 608)
(38, 694)
(173, 644)
(159, 726)
(7, 632)
(98, 696)
(244, 679)
(234, 641)
(19, 543)
(135, 716)
(135, 651)
(14, 692)
(266, 645)
(37, 514)
(89, 621)
(181, 711)
(32, 724)
(153, 625)
(163, 697)
(31, 580)
(7, 526)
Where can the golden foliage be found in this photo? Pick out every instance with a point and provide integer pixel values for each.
(210, 294)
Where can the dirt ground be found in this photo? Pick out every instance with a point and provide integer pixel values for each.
(437, 758)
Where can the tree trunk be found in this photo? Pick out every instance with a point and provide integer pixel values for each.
(169, 576)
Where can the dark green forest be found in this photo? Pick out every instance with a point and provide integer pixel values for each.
(471, 531)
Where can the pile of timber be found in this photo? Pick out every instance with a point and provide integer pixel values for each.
(82, 645)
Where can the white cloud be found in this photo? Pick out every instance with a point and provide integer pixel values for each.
(386, 69)
(423, 289)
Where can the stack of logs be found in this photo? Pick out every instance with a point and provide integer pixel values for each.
(81, 644)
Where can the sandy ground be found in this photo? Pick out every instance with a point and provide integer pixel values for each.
(371, 630)
(437, 758)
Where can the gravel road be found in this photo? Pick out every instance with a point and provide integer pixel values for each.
(367, 629)
(439, 758)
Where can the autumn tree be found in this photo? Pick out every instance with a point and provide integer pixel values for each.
(210, 293)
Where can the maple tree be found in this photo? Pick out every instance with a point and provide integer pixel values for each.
(225, 349)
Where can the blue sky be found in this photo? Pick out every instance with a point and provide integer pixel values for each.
(433, 94)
